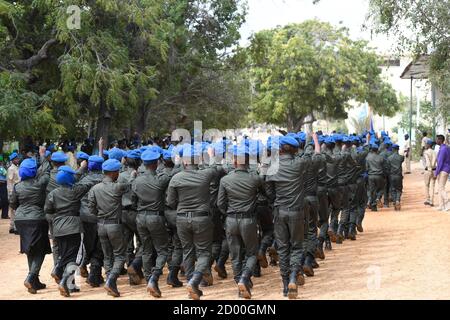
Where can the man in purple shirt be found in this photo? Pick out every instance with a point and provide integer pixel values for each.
(442, 171)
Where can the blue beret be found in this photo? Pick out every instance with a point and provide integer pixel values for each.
(373, 146)
(111, 165)
(289, 140)
(29, 164)
(329, 140)
(106, 153)
(429, 141)
(116, 153)
(47, 153)
(395, 146)
(167, 154)
(71, 148)
(321, 139)
(150, 155)
(59, 156)
(67, 169)
(82, 155)
(13, 156)
(338, 137)
(157, 149)
(191, 150)
(143, 148)
(301, 136)
(133, 154)
(96, 159)
(346, 139)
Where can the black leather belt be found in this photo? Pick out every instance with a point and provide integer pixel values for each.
(240, 215)
(192, 214)
(108, 221)
(151, 213)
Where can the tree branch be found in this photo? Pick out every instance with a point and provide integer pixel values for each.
(28, 64)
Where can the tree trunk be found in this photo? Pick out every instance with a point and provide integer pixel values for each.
(103, 123)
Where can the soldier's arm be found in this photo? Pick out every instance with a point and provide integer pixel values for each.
(49, 207)
(81, 171)
(92, 203)
(82, 188)
(134, 197)
(222, 198)
(172, 196)
(270, 191)
(13, 200)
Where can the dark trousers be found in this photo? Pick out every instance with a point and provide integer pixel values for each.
(387, 190)
(196, 235)
(243, 244)
(324, 213)
(311, 217)
(113, 246)
(130, 231)
(175, 257)
(4, 204)
(289, 236)
(266, 228)
(94, 253)
(153, 233)
(396, 187)
(361, 199)
(218, 235)
(348, 215)
(376, 187)
(335, 202)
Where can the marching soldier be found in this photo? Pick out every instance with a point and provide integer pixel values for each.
(286, 189)
(376, 168)
(188, 192)
(105, 200)
(28, 198)
(395, 175)
(148, 193)
(237, 197)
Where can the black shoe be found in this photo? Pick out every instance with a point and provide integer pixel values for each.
(207, 280)
(57, 274)
(12, 231)
(29, 283)
(111, 285)
(257, 271)
(328, 244)
(292, 286)
(172, 278)
(194, 291)
(340, 235)
(352, 233)
(262, 259)
(374, 208)
(359, 227)
(152, 286)
(133, 276)
(62, 286)
(123, 271)
(314, 263)
(95, 278)
(307, 266)
(244, 286)
(319, 249)
(221, 271)
(285, 287)
(84, 272)
(38, 284)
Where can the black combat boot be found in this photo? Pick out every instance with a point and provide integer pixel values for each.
(57, 274)
(257, 271)
(352, 232)
(38, 284)
(95, 278)
(331, 235)
(194, 291)
(262, 259)
(319, 249)
(273, 255)
(30, 283)
(292, 286)
(84, 272)
(285, 287)
(314, 263)
(172, 278)
(133, 275)
(152, 286)
(63, 287)
(207, 280)
(245, 286)
(328, 244)
(111, 285)
(307, 266)
(221, 271)
(340, 235)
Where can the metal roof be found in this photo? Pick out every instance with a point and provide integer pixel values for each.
(418, 69)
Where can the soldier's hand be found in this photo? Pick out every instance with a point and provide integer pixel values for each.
(314, 136)
(83, 164)
(42, 151)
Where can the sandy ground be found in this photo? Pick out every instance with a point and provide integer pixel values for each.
(400, 255)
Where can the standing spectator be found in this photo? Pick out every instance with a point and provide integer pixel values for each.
(13, 178)
(3, 191)
(430, 167)
(423, 145)
(442, 171)
(407, 154)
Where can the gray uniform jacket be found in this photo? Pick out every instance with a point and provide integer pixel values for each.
(127, 178)
(149, 190)
(92, 178)
(376, 164)
(395, 164)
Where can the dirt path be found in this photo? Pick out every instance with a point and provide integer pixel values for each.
(401, 255)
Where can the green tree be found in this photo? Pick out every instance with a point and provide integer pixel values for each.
(313, 69)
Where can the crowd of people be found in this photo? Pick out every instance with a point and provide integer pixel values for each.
(193, 206)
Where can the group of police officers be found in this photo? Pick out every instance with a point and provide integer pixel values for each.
(192, 206)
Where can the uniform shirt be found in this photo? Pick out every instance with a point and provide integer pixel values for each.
(286, 187)
(360, 158)
(395, 164)
(28, 197)
(430, 159)
(105, 199)
(407, 147)
(62, 206)
(52, 185)
(238, 192)
(91, 178)
(351, 166)
(376, 164)
(12, 177)
(311, 175)
(443, 159)
(149, 190)
(127, 177)
(189, 191)
(332, 160)
(219, 172)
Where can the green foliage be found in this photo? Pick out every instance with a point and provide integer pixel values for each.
(314, 69)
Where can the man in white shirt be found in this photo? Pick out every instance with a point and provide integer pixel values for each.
(430, 166)
(407, 154)
(13, 178)
(423, 145)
